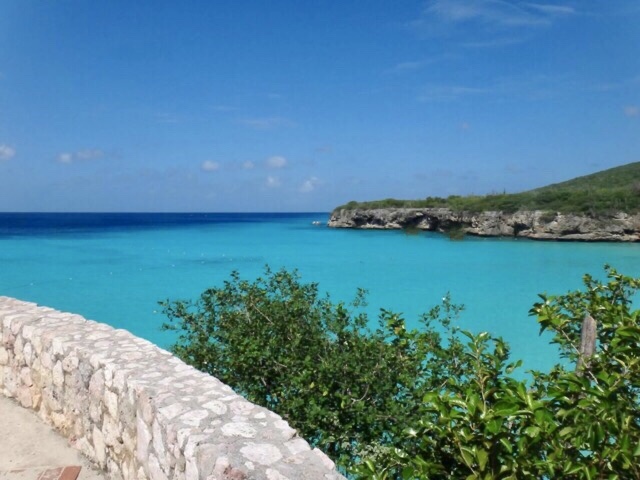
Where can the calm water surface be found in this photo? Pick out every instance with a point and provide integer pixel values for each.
(114, 268)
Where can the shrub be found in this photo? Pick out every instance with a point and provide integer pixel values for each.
(435, 403)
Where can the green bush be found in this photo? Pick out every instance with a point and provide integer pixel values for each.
(568, 423)
(433, 402)
(349, 391)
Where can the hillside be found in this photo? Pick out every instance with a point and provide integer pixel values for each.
(601, 193)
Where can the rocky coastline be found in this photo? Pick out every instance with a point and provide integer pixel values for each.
(536, 225)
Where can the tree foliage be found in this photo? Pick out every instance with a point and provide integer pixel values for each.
(431, 402)
(280, 343)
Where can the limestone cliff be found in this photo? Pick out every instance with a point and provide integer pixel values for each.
(538, 225)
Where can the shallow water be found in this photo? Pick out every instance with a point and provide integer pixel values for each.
(114, 268)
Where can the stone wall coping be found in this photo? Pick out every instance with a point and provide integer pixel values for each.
(136, 410)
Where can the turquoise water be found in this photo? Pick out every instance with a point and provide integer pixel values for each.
(115, 269)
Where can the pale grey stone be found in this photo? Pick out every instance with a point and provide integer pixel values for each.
(238, 429)
(111, 402)
(275, 475)
(194, 418)
(4, 356)
(155, 472)
(96, 385)
(241, 407)
(25, 377)
(285, 428)
(57, 347)
(27, 353)
(99, 447)
(110, 430)
(261, 453)
(119, 380)
(297, 445)
(27, 332)
(24, 397)
(191, 469)
(157, 441)
(58, 374)
(217, 407)
(70, 363)
(173, 410)
(143, 439)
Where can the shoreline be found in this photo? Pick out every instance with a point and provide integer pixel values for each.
(534, 225)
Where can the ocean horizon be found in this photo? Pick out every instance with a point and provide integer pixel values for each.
(114, 267)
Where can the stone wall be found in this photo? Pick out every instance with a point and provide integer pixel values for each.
(137, 411)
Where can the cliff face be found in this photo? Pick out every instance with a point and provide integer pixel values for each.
(537, 225)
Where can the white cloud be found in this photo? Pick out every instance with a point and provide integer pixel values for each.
(80, 155)
(276, 161)
(266, 123)
(273, 182)
(210, 166)
(248, 165)
(6, 152)
(65, 157)
(89, 154)
(632, 110)
(310, 184)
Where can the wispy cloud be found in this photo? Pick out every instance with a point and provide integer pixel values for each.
(223, 108)
(632, 110)
(553, 10)
(488, 23)
(498, 13)
(273, 182)
(6, 152)
(625, 83)
(324, 149)
(527, 87)
(493, 43)
(440, 93)
(209, 166)
(408, 66)
(266, 123)
(310, 184)
(419, 64)
(165, 117)
(80, 155)
(248, 165)
(276, 161)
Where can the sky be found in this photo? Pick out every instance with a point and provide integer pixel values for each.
(290, 105)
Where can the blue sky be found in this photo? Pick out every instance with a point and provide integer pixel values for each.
(301, 106)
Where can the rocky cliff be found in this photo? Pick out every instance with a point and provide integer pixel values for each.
(538, 225)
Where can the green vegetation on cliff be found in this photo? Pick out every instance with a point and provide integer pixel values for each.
(613, 190)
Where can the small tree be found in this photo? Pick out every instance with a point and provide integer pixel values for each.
(347, 389)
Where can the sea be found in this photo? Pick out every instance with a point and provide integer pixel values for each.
(116, 267)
